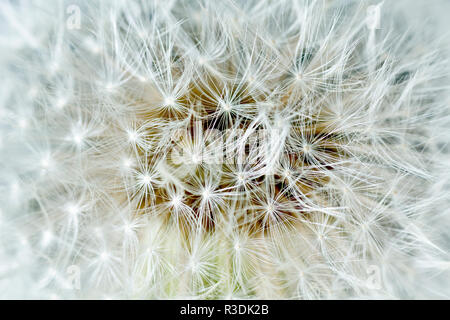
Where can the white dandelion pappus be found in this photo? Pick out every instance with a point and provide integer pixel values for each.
(223, 149)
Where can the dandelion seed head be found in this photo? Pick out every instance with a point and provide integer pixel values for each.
(206, 194)
(132, 136)
(250, 149)
(47, 237)
(73, 209)
(60, 103)
(104, 256)
(146, 179)
(169, 101)
(176, 201)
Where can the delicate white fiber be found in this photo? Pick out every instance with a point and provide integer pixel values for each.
(288, 149)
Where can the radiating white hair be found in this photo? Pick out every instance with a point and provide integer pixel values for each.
(224, 149)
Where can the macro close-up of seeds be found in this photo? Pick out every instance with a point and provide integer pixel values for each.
(229, 149)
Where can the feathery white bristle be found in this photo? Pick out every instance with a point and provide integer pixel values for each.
(223, 149)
